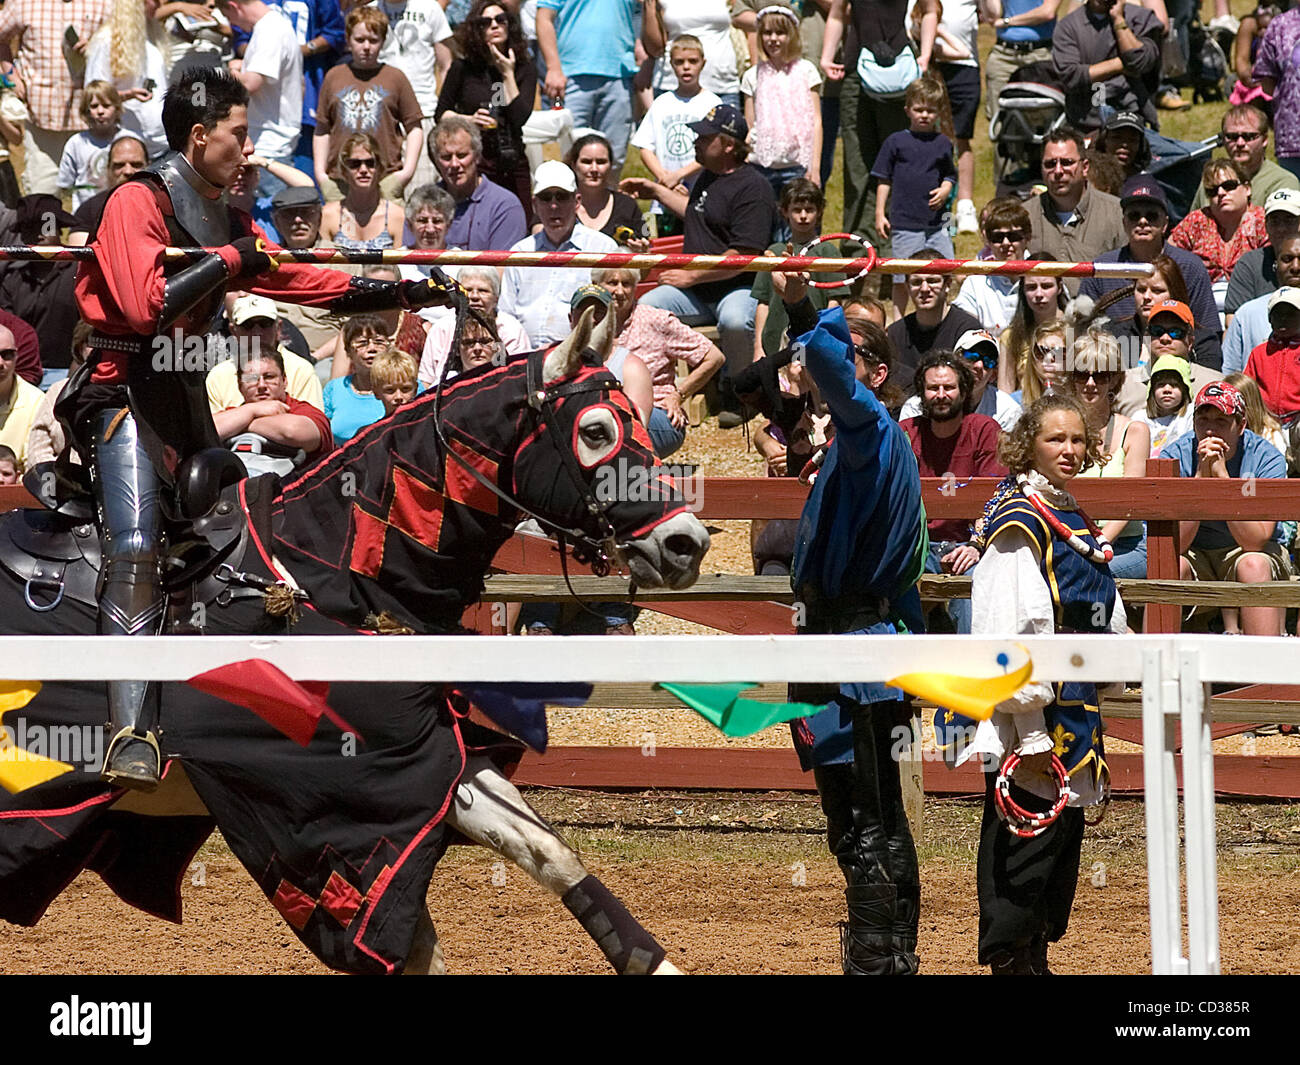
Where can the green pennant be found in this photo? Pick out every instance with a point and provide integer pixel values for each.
(721, 706)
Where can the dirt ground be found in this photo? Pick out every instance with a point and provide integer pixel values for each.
(740, 884)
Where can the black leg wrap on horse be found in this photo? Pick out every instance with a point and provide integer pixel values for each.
(631, 950)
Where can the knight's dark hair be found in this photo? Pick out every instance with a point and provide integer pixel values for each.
(202, 97)
(877, 350)
(940, 359)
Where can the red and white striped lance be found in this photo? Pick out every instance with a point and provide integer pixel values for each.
(636, 260)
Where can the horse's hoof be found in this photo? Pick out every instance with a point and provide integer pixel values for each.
(132, 762)
(667, 968)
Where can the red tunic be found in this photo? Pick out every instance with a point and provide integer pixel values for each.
(120, 292)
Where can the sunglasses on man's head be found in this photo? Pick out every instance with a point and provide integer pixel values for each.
(1173, 332)
(357, 164)
(979, 355)
(1231, 185)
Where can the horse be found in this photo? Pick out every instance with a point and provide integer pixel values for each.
(391, 533)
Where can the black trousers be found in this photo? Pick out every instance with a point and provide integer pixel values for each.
(1026, 886)
(866, 826)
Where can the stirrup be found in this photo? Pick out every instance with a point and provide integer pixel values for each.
(142, 778)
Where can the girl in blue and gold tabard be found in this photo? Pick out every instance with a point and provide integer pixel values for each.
(1044, 570)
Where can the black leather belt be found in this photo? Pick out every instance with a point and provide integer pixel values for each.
(130, 343)
(845, 614)
(1023, 46)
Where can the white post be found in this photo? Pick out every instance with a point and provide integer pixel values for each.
(1160, 706)
(1198, 814)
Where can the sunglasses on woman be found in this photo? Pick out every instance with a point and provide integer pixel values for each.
(1100, 376)
(1231, 185)
(501, 19)
(357, 164)
(1042, 354)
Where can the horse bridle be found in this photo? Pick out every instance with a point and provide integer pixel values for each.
(599, 554)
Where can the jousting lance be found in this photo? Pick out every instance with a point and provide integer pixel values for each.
(633, 260)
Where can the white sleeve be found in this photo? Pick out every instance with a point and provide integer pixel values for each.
(262, 56)
(644, 137)
(967, 299)
(439, 27)
(811, 73)
(748, 81)
(1008, 598)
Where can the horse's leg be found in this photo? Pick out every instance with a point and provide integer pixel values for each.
(490, 811)
(425, 957)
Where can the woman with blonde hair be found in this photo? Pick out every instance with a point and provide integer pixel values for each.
(132, 52)
(1094, 378)
(1039, 302)
(364, 220)
(1042, 363)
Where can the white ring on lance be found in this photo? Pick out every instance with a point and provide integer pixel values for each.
(870, 257)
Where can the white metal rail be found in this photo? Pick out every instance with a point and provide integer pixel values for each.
(1174, 670)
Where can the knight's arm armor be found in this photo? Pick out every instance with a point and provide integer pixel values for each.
(365, 294)
(189, 287)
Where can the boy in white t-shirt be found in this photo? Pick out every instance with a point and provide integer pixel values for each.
(666, 141)
(417, 45)
(271, 71)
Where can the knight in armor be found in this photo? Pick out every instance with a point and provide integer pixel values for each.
(1045, 568)
(138, 411)
(859, 550)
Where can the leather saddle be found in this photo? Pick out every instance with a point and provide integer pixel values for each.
(57, 552)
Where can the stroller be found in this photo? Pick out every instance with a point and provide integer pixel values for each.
(1177, 166)
(1027, 111)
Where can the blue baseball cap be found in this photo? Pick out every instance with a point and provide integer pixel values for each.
(722, 119)
(1143, 188)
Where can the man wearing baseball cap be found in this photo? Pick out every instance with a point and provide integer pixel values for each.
(255, 330)
(1275, 364)
(1251, 325)
(980, 353)
(539, 297)
(1220, 446)
(1170, 333)
(1255, 274)
(730, 210)
(1146, 218)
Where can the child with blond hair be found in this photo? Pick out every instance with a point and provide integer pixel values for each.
(82, 170)
(392, 376)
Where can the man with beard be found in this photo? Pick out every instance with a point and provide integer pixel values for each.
(949, 442)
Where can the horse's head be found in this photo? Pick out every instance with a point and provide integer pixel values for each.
(587, 463)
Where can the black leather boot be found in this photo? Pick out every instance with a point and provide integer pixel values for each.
(1018, 962)
(1038, 953)
(866, 939)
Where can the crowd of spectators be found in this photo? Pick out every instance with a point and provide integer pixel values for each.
(433, 124)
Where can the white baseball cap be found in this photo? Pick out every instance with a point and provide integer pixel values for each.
(1285, 200)
(1285, 295)
(553, 174)
(247, 308)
